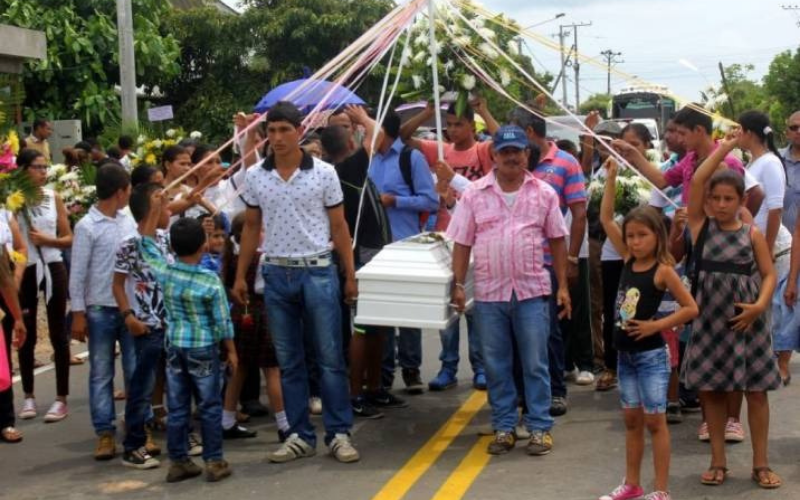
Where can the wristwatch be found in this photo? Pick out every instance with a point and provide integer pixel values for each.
(126, 313)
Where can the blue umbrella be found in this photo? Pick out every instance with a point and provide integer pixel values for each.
(314, 92)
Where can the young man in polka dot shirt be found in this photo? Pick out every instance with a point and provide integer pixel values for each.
(297, 201)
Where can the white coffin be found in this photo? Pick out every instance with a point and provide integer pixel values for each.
(408, 284)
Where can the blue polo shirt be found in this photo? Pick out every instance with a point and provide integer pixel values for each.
(385, 173)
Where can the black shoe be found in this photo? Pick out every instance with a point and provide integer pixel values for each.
(502, 444)
(413, 381)
(385, 399)
(558, 406)
(255, 409)
(282, 436)
(361, 408)
(674, 415)
(238, 432)
(690, 405)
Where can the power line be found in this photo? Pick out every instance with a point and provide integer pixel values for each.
(793, 8)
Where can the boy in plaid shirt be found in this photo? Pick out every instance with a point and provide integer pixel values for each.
(198, 320)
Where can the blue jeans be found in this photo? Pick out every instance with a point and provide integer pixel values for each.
(526, 322)
(194, 371)
(149, 349)
(407, 350)
(106, 328)
(451, 337)
(644, 379)
(296, 296)
(555, 344)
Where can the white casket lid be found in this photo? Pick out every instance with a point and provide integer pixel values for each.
(424, 258)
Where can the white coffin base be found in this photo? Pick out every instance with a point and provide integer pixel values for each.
(408, 285)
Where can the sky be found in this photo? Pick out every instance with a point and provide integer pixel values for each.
(653, 35)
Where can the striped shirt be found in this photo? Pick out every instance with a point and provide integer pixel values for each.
(563, 173)
(507, 241)
(94, 252)
(198, 314)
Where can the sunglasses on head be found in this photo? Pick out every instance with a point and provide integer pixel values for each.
(794, 128)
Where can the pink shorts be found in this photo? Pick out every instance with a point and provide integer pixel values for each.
(671, 337)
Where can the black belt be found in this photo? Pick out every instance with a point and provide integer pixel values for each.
(715, 266)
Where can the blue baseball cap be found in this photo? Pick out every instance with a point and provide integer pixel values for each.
(510, 136)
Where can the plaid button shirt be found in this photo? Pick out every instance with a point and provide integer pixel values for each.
(197, 307)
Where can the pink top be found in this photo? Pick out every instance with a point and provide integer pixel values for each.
(508, 242)
(472, 163)
(682, 173)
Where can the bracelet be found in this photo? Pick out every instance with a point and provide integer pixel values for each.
(126, 313)
(460, 285)
(572, 259)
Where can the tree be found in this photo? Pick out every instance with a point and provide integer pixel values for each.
(228, 62)
(596, 102)
(782, 84)
(77, 78)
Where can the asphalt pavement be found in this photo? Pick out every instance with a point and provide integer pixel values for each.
(430, 450)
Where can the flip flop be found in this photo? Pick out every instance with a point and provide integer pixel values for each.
(764, 477)
(717, 480)
(11, 435)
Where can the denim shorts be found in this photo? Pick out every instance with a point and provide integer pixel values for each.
(644, 379)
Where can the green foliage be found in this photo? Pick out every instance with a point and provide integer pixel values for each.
(596, 102)
(782, 84)
(77, 78)
(228, 62)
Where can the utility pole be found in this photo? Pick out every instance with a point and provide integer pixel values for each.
(563, 74)
(611, 59)
(567, 60)
(127, 64)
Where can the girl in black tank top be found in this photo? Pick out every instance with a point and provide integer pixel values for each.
(643, 368)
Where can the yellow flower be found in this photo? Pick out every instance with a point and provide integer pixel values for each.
(15, 201)
(150, 159)
(13, 141)
(18, 258)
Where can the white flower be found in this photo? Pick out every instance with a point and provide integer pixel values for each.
(157, 143)
(512, 48)
(419, 56)
(141, 139)
(462, 41)
(488, 51)
(441, 89)
(171, 132)
(417, 81)
(449, 65)
(478, 22)
(406, 55)
(196, 134)
(505, 77)
(72, 176)
(486, 33)
(421, 40)
(468, 82)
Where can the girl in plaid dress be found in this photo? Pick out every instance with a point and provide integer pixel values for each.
(730, 348)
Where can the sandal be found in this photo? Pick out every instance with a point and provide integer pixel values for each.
(716, 478)
(75, 361)
(606, 382)
(765, 478)
(11, 435)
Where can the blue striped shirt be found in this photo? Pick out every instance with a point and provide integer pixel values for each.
(197, 306)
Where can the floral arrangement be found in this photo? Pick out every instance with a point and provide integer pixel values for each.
(76, 188)
(150, 150)
(631, 192)
(16, 188)
(457, 40)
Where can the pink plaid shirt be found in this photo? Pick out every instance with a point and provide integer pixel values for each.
(508, 243)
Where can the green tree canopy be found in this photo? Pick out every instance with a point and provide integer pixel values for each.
(77, 78)
(596, 102)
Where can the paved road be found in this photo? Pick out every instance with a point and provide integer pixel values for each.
(428, 451)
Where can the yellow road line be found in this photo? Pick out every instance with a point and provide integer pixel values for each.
(409, 474)
(457, 484)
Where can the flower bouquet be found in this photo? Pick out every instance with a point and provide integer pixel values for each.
(457, 41)
(76, 188)
(149, 150)
(16, 187)
(631, 192)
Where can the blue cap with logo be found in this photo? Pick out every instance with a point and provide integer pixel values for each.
(510, 136)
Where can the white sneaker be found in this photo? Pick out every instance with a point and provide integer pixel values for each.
(315, 405)
(194, 445)
(585, 378)
(571, 376)
(28, 409)
(57, 412)
(292, 449)
(342, 448)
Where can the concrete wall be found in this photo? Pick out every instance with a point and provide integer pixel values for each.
(19, 44)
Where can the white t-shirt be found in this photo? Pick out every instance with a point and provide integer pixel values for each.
(584, 251)
(768, 170)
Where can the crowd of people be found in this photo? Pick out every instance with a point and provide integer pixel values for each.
(202, 280)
